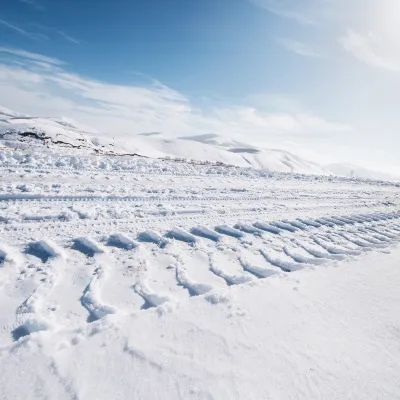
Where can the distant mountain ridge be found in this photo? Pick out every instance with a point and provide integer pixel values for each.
(18, 130)
(355, 171)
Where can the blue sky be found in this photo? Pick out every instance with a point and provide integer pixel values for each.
(318, 77)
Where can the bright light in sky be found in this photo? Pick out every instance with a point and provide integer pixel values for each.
(386, 14)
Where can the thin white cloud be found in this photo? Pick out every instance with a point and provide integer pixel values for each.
(285, 10)
(68, 37)
(367, 29)
(317, 13)
(14, 28)
(23, 32)
(300, 48)
(373, 49)
(42, 88)
(33, 3)
(304, 12)
(22, 54)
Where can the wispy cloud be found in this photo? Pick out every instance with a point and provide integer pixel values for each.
(373, 49)
(27, 55)
(300, 48)
(33, 3)
(304, 12)
(68, 37)
(23, 32)
(42, 86)
(315, 13)
(379, 47)
(14, 28)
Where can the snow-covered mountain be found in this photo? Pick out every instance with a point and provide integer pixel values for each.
(212, 147)
(18, 130)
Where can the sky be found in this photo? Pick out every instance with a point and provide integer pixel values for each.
(320, 78)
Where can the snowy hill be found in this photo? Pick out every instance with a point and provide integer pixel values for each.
(21, 131)
(54, 133)
(234, 153)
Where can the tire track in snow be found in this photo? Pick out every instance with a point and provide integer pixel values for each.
(180, 264)
(36, 313)
(91, 297)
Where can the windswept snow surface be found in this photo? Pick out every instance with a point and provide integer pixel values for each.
(128, 278)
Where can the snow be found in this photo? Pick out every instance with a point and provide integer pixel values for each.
(348, 169)
(88, 246)
(227, 230)
(337, 339)
(180, 234)
(152, 237)
(23, 131)
(194, 288)
(204, 232)
(45, 249)
(150, 297)
(267, 227)
(257, 270)
(129, 277)
(122, 240)
(9, 254)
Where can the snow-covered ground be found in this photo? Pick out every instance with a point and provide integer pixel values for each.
(126, 277)
(326, 333)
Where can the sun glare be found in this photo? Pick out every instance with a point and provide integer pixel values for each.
(386, 17)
